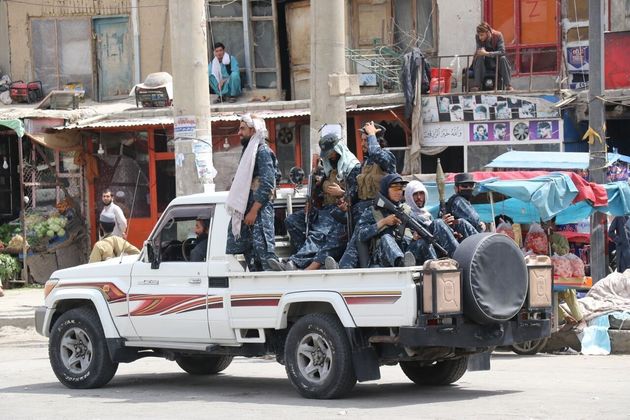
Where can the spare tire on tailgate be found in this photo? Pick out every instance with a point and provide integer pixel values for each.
(494, 277)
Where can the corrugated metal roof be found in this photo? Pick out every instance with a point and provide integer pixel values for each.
(215, 117)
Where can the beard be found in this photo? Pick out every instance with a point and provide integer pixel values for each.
(245, 141)
(467, 194)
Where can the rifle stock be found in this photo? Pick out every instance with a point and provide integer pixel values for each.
(413, 224)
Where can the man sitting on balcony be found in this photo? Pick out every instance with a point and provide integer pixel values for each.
(225, 78)
(490, 45)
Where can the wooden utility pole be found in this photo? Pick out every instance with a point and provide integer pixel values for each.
(193, 140)
(597, 136)
(329, 81)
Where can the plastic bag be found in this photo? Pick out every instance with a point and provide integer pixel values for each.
(562, 266)
(506, 229)
(536, 240)
(577, 265)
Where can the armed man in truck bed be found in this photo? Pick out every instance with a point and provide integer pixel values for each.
(251, 231)
(327, 233)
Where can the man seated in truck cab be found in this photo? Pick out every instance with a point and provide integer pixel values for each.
(110, 246)
(199, 252)
(389, 239)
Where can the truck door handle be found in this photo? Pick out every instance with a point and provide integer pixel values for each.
(194, 280)
(149, 282)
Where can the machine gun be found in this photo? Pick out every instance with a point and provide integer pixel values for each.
(384, 203)
(348, 199)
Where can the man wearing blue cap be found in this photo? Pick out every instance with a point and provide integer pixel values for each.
(389, 239)
(110, 245)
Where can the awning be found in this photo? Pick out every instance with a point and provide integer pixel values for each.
(15, 125)
(214, 117)
(548, 160)
(63, 142)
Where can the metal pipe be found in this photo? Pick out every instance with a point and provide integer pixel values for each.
(136, 41)
(247, 45)
(23, 211)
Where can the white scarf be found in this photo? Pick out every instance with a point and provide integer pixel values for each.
(347, 162)
(412, 188)
(216, 67)
(236, 203)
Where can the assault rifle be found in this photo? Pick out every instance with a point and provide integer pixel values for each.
(384, 203)
(314, 178)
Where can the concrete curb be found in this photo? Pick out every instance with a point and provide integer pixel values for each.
(18, 321)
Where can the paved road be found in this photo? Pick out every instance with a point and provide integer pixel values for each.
(544, 386)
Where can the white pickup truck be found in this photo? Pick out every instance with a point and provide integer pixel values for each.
(329, 328)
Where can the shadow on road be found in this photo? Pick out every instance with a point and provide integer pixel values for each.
(225, 388)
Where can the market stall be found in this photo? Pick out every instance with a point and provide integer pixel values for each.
(50, 232)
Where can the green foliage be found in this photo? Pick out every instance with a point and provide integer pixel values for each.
(9, 267)
(7, 231)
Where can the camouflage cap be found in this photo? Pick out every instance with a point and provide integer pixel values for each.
(327, 144)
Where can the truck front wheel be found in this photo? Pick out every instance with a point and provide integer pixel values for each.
(204, 365)
(319, 357)
(438, 373)
(78, 351)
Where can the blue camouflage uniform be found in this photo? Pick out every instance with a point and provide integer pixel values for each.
(385, 162)
(467, 221)
(386, 249)
(257, 242)
(443, 234)
(327, 234)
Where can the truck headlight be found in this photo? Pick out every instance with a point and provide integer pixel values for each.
(442, 287)
(540, 277)
(49, 286)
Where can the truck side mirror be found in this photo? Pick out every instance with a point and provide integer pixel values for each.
(296, 175)
(153, 258)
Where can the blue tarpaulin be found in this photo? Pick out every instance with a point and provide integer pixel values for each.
(541, 198)
(548, 160)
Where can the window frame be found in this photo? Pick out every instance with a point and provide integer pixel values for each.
(434, 48)
(166, 217)
(247, 17)
(515, 49)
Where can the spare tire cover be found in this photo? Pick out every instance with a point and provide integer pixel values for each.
(494, 277)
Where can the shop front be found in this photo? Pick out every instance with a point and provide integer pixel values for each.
(135, 157)
(468, 131)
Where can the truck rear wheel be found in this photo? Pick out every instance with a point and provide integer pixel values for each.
(439, 373)
(529, 348)
(319, 357)
(204, 365)
(78, 351)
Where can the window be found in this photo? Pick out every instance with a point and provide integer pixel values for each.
(414, 24)
(531, 32)
(176, 235)
(254, 46)
(125, 160)
(62, 52)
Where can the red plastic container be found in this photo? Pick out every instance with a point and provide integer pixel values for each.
(441, 80)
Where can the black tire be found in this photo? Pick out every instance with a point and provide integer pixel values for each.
(529, 348)
(437, 374)
(204, 365)
(331, 357)
(78, 350)
(495, 279)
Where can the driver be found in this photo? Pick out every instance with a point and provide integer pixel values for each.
(199, 252)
